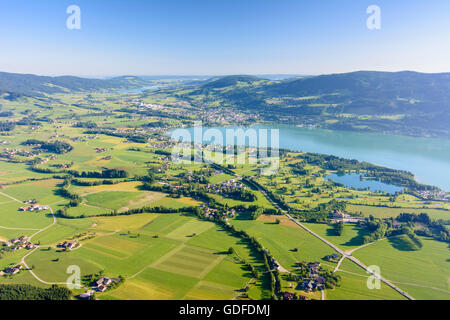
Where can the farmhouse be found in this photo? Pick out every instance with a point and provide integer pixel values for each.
(14, 270)
(288, 296)
(334, 257)
(19, 243)
(103, 283)
(396, 225)
(339, 216)
(69, 245)
(209, 213)
(308, 285)
(34, 207)
(102, 288)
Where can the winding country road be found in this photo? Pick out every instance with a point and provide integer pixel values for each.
(23, 262)
(28, 229)
(42, 281)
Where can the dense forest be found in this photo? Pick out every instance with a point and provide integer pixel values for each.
(58, 147)
(27, 292)
(17, 85)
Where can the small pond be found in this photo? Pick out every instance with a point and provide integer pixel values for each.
(354, 181)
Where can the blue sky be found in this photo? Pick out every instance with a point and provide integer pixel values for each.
(155, 37)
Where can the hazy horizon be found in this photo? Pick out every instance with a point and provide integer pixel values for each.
(281, 75)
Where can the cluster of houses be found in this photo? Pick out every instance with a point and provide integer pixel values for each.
(142, 106)
(161, 145)
(33, 206)
(164, 158)
(314, 281)
(332, 258)
(225, 187)
(211, 214)
(339, 216)
(103, 283)
(45, 160)
(434, 195)
(165, 166)
(85, 138)
(232, 184)
(224, 115)
(12, 271)
(200, 176)
(69, 245)
(12, 153)
(19, 243)
(100, 150)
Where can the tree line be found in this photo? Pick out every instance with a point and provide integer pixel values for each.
(13, 292)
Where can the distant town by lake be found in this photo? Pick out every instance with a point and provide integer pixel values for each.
(428, 159)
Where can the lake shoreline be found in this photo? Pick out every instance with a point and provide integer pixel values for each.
(427, 158)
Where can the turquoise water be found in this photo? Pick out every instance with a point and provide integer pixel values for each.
(138, 90)
(354, 181)
(428, 159)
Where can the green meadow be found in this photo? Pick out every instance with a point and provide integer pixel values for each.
(354, 286)
(179, 256)
(282, 240)
(351, 238)
(382, 212)
(167, 256)
(395, 257)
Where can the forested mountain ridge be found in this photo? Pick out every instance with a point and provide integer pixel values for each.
(32, 85)
(408, 103)
(374, 92)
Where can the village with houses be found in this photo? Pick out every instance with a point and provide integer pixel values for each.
(15, 244)
(101, 285)
(339, 216)
(33, 206)
(11, 271)
(69, 245)
(155, 202)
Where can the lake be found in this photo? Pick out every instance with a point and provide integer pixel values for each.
(139, 90)
(354, 181)
(428, 159)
